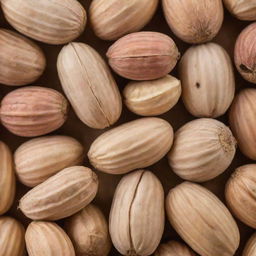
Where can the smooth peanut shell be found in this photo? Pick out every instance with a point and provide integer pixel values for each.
(240, 195)
(194, 21)
(89, 85)
(136, 144)
(38, 159)
(136, 221)
(7, 178)
(88, 230)
(47, 238)
(207, 78)
(112, 19)
(202, 149)
(12, 242)
(244, 54)
(202, 220)
(60, 196)
(242, 121)
(143, 55)
(48, 21)
(22, 61)
(33, 111)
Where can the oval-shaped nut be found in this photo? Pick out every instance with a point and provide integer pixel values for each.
(48, 21)
(194, 21)
(207, 78)
(33, 111)
(173, 248)
(136, 221)
(7, 179)
(22, 61)
(12, 242)
(88, 230)
(89, 85)
(250, 248)
(243, 10)
(240, 194)
(112, 19)
(150, 98)
(136, 144)
(47, 238)
(62, 195)
(242, 121)
(245, 51)
(215, 231)
(202, 149)
(38, 159)
(143, 55)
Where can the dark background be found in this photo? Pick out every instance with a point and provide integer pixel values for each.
(176, 116)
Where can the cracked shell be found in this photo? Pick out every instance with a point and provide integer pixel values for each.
(250, 248)
(88, 230)
(33, 111)
(7, 179)
(136, 221)
(48, 21)
(242, 121)
(133, 145)
(62, 195)
(22, 61)
(12, 242)
(150, 98)
(38, 159)
(207, 78)
(194, 21)
(89, 85)
(173, 248)
(143, 55)
(47, 238)
(240, 194)
(243, 10)
(245, 52)
(215, 231)
(202, 149)
(112, 19)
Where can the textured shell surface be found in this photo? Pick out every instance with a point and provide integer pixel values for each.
(194, 21)
(173, 248)
(22, 61)
(112, 19)
(62, 195)
(7, 179)
(38, 159)
(12, 242)
(133, 145)
(250, 248)
(95, 98)
(143, 55)
(33, 111)
(88, 230)
(245, 53)
(48, 21)
(202, 149)
(207, 78)
(47, 238)
(242, 9)
(136, 219)
(242, 121)
(240, 194)
(149, 98)
(215, 232)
